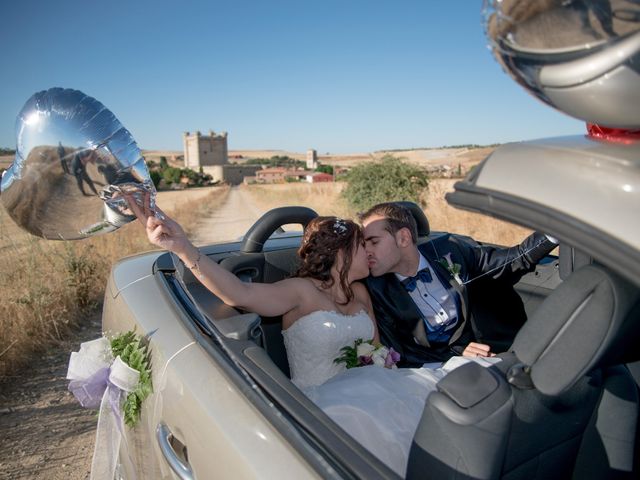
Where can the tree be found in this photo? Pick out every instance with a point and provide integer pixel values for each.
(171, 175)
(325, 169)
(386, 180)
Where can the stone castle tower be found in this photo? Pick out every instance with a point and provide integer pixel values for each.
(205, 150)
(312, 159)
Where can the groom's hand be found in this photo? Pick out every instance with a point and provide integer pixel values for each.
(478, 350)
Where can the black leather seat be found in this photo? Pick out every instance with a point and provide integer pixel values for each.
(559, 405)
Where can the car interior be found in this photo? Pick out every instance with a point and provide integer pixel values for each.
(562, 403)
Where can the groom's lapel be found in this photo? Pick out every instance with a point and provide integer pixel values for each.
(409, 316)
(407, 311)
(462, 299)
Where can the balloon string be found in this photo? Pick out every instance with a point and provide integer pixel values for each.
(499, 266)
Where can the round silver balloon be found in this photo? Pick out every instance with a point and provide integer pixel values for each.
(73, 161)
(579, 56)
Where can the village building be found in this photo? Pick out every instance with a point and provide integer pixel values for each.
(319, 177)
(271, 175)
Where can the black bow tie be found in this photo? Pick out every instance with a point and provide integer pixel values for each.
(423, 275)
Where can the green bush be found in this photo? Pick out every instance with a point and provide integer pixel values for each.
(389, 179)
(325, 169)
(171, 175)
(190, 174)
(156, 176)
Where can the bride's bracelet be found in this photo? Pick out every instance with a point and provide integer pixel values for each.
(196, 266)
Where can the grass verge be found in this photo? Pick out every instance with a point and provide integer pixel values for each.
(49, 287)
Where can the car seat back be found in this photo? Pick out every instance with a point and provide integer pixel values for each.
(555, 401)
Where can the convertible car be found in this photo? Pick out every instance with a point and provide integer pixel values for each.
(562, 403)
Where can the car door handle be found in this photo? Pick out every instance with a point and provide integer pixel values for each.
(180, 468)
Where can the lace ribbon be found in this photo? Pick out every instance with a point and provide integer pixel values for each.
(99, 380)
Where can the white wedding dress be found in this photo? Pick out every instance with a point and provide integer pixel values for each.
(377, 406)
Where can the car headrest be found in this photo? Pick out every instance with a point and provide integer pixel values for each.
(588, 321)
(260, 232)
(571, 259)
(421, 218)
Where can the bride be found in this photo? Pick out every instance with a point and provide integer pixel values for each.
(324, 308)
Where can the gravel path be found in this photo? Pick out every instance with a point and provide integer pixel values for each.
(230, 221)
(46, 434)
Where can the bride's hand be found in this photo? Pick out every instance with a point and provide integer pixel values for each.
(165, 233)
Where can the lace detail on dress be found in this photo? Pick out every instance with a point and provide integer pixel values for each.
(315, 340)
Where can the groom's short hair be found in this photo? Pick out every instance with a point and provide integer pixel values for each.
(397, 217)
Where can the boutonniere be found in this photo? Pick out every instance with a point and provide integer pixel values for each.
(452, 268)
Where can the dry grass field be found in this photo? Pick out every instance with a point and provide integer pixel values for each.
(50, 286)
(6, 160)
(326, 200)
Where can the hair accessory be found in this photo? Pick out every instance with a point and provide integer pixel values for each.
(340, 226)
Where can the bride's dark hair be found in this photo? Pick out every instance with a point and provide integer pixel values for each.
(323, 238)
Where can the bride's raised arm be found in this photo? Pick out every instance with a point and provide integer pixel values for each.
(268, 299)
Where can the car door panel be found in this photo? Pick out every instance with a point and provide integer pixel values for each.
(223, 434)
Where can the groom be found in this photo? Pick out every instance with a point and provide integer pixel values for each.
(424, 306)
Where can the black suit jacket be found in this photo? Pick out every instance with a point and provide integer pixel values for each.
(489, 299)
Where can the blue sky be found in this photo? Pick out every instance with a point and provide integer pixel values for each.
(338, 76)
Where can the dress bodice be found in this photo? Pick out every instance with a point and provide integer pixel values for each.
(314, 341)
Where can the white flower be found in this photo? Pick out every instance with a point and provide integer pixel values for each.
(379, 356)
(365, 349)
(453, 268)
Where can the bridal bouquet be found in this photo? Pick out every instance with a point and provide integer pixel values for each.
(366, 353)
(114, 375)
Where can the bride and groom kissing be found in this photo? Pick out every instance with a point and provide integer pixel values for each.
(372, 283)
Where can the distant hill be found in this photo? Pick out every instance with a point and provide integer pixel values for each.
(451, 156)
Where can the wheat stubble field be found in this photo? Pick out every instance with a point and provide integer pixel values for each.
(48, 286)
(325, 199)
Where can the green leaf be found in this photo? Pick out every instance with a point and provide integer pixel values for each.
(134, 351)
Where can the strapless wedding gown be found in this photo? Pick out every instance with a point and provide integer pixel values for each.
(377, 406)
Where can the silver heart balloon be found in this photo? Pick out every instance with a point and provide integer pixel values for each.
(580, 57)
(73, 161)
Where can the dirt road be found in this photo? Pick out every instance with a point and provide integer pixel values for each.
(46, 435)
(230, 221)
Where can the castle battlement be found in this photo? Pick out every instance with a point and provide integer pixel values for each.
(205, 150)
